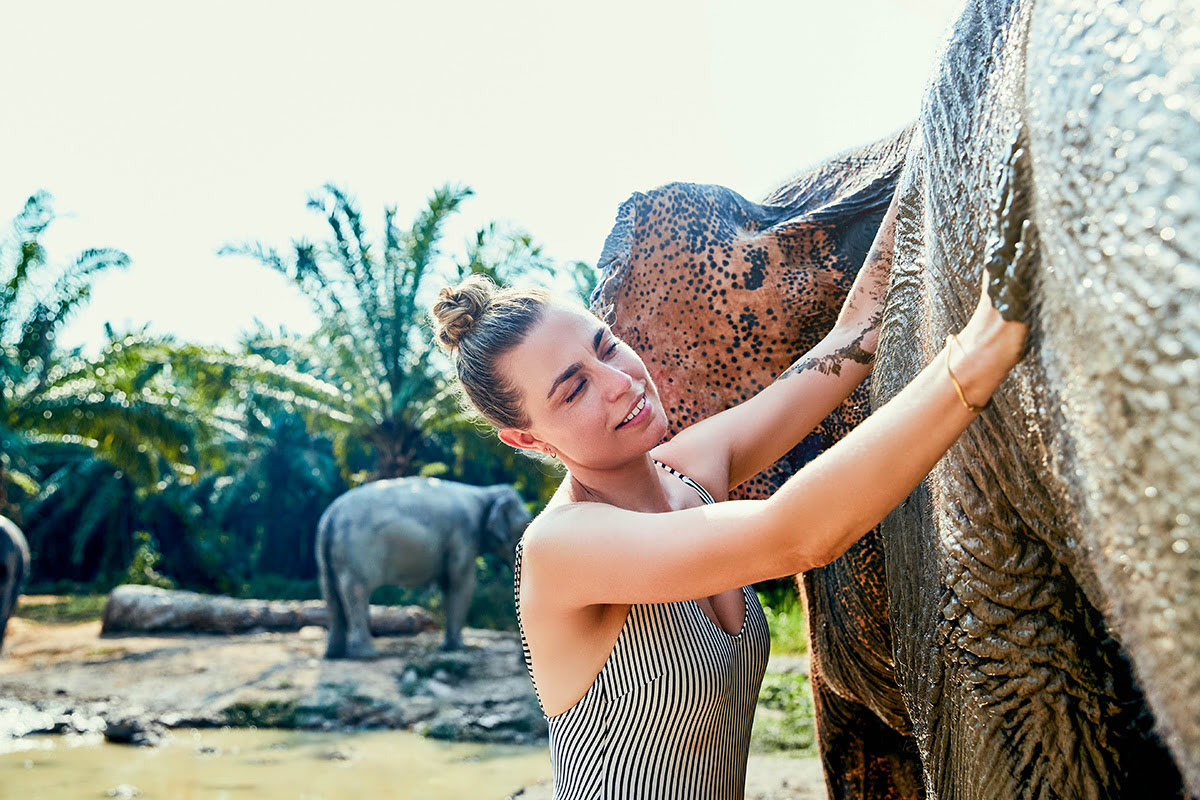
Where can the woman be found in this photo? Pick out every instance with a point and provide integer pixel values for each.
(644, 640)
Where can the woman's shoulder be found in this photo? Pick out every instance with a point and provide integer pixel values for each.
(559, 518)
(562, 520)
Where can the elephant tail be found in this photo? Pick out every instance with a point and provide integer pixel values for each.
(330, 591)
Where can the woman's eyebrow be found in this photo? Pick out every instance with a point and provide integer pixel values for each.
(566, 375)
(571, 370)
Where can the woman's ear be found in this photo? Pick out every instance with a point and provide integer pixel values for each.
(522, 440)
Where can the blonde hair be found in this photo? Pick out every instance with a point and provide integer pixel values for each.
(477, 322)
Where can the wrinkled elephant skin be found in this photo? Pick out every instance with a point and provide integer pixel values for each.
(1046, 574)
(720, 295)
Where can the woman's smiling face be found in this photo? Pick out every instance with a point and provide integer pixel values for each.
(586, 394)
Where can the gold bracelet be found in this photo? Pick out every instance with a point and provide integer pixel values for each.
(957, 387)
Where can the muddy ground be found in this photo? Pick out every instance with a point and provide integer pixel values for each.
(66, 677)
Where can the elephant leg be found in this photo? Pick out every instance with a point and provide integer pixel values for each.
(863, 727)
(456, 596)
(863, 757)
(355, 605)
(335, 645)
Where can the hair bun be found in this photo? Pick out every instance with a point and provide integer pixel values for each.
(459, 307)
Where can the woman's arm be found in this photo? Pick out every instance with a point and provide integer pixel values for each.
(585, 554)
(735, 445)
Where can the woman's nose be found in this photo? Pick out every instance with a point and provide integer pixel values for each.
(616, 382)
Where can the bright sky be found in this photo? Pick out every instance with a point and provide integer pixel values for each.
(166, 132)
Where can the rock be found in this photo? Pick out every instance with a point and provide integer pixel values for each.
(409, 682)
(275, 679)
(449, 725)
(334, 755)
(132, 608)
(124, 791)
(490, 721)
(134, 730)
(206, 719)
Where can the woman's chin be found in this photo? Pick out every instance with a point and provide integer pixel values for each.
(658, 427)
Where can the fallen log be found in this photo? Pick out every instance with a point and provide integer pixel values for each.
(143, 609)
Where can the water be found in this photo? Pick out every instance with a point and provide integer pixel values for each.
(232, 764)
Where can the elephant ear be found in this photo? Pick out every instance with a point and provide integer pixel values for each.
(719, 294)
(504, 520)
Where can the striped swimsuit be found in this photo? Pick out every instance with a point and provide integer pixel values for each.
(669, 715)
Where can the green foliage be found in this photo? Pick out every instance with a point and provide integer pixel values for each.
(493, 605)
(784, 720)
(77, 436)
(141, 569)
(65, 610)
(475, 455)
(261, 714)
(786, 620)
(271, 507)
(80, 525)
(50, 400)
(375, 340)
(164, 462)
(274, 587)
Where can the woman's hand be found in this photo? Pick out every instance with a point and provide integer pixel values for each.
(994, 338)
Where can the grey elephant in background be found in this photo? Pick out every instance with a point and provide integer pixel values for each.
(408, 532)
(14, 567)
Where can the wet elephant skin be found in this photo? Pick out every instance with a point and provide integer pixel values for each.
(1046, 574)
(720, 295)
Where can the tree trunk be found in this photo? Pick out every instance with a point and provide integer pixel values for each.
(395, 445)
(133, 608)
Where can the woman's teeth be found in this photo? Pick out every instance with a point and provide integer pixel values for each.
(636, 409)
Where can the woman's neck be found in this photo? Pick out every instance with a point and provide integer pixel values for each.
(634, 486)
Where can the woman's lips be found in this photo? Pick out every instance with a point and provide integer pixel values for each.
(639, 416)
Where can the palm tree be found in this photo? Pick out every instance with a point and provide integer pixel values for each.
(84, 438)
(47, 404)
(71, 446)
(375, 339)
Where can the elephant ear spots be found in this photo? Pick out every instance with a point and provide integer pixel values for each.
(719, 295)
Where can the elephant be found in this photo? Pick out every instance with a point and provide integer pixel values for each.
(1027, 623)
(14, 568)
(407, 532)
(1044, 580)
(720, 295)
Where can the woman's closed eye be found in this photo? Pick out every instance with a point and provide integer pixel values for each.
(578, 388)
(607, 351)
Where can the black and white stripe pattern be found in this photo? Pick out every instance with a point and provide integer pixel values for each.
(700, 490)
(669, 715)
